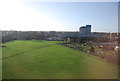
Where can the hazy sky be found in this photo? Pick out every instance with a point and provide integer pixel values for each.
(58, 16)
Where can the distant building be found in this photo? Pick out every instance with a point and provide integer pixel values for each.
(85, 30)
(54, 39)
(84, 34)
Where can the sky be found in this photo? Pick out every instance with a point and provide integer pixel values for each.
(35, 15)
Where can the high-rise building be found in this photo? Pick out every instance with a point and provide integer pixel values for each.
(85, 30)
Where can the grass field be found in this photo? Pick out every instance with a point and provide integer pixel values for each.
(0, 63)
(48, 60)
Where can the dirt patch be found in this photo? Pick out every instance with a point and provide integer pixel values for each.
(111, 57)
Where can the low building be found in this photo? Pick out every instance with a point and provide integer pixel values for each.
(54, 39)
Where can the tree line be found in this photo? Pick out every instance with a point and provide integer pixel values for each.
(28, 35)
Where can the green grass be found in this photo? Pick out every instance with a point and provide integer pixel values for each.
(48, 60)
(0, 63)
